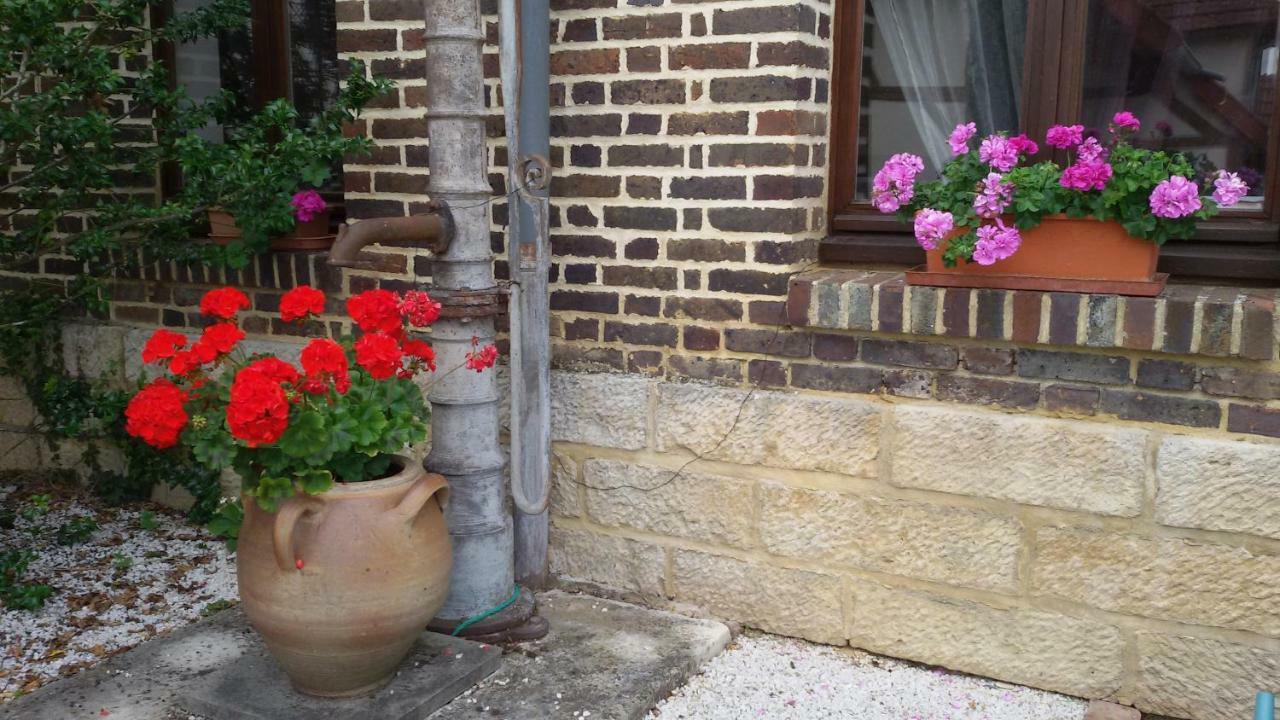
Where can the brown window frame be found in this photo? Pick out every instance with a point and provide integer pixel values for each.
(1244, 247)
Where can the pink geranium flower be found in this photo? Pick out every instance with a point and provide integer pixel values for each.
(998, 152)
(1065, 136)
(1175, 198)
(995, 243)
(894, 184)
(307, 205)
(1024, 144)
(1125, 120)
(1090, 150)
(994, 195)
(960, 137)
(1228, 188)
(1086, 175)
(932, 226)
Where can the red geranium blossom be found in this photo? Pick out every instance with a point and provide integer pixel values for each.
(156, 414)
(422, 352)
(377, 311)
(484, 358)
(258, 411)
(379, 354)
(224, 303)
(220, 338)
(301, 302)
(324, 360)
(162, 345)
(275, 369)
(419, 308)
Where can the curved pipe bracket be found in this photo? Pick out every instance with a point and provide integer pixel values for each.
(433, 229)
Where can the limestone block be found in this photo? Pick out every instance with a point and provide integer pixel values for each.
(598, 409)
(607, 560)
(16, 410)
(19, 451)
(687, 504)
(775, 599)
(1024, 458)
(564, 486)
(1031, 647)
(1168, 578)
(955, 546)
(788, 430)
(97, 352)
(1200, 678)
(1219, 485)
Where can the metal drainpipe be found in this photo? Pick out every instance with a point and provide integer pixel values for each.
(464, 404)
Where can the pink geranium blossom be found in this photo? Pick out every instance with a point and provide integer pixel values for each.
(1090, 150)
(932, 226)
(307, 205)
(1065, 136)
(1228, 188)
(894, 185)
(1086, 175)
(1175, 198)
(997, 151)
(960, 137)
(995, 243)
(1024, 144)
(1125, 120)
(994, 195)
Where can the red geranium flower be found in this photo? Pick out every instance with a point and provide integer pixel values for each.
(480, 360)
(376, 311)
(224, 303)
(300, 302)
(324, 360)
(419, 308)
(276, 369)
(220, 338)
(156, 414)
(258, 411)
(422, 352)
(379, 354)
(162, 345)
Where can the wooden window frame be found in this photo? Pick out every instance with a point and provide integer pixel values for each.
(1244, 247)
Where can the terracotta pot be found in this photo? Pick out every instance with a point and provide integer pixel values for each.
(222, 225)
(311, 235)
(1078, 255)
(341, 584)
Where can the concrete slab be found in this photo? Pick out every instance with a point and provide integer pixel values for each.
(436, 671)
(611, 659)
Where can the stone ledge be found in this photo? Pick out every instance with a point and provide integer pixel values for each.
(1184, 320)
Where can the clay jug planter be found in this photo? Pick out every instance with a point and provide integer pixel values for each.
(341, 584)
(1060, 254)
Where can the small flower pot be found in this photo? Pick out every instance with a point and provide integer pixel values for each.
(307, 236)
(341, 584)
(1059, 255)
(222, 226)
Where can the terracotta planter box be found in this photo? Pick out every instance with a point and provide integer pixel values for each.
(1060, 254)
(311, 235)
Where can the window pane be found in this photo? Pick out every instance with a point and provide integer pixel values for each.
(1200, 75)
(929, 65)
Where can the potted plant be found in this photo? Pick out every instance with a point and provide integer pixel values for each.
(312, 228)
(342, 552)
(1095, 225)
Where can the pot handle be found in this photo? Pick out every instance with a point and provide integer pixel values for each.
(286, 520)
(422, 491)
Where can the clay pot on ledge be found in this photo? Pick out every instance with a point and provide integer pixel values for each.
(312, 235)
(341, 584)
(1060, 254)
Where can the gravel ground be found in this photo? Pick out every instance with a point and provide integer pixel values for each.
(764, 676)
(122, 586)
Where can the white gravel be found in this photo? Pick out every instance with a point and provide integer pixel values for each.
(101, 607)
(764, 676)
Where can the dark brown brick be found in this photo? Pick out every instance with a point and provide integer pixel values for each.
(644, 124)
(579, 125)
(758, 155)
(787, 187)
(1215, 324)
(395, 10)
(582, 329)
(790, 122)
(583, 246)
(585, 156)
(768, 342)
(713, 123)
(588, 93)
(709, 187)
(710, 56)
(766, 373)
(909, 354)
(1170, 409)
(705, 250)
(1253, 420)
(760, 88)
(955, 312)
(641, 249)
(988, 361)
(1179, 318)
(654, 278)
(891, 299)
(573, 357)
(582, 216)
(644, 59)
(991, 314)
(349, 10)
(835, 347)
(755, 219)
(642, 27)
(399, 128)
(137, 313)
(352, 41)
(1064, 317)
(988, 391)
(1257, 339)
(400, 183)
(1139, 323)
(647, 92)
(363, 208)
(586, 186)
(642, 305)
(709, 309)
(1026, 316)
(580, 274)
(1049, 365)
(837, 379)
(644, 187)
(701, 338)
(599, 61)
(1166, 374)
(640, 218)
(661, 335)
(791, 54)
(599, 302)
(778, 18)
(692, 218)
(909, 383)
(644, 362)
(653, 155)
(700, 368)
(785, 252)
(1235, 382)
(765, 312)
(581, 30)
(749, 282)
(1072, 399)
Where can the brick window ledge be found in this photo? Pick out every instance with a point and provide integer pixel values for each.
(1184, 320)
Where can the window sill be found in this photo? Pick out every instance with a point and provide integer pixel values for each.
(1185, 320)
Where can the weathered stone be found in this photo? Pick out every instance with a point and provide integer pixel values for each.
(564, 486)
(1037, 461)
(949, 545)
(19, 451)
(1169, 578)
(1042, 649)
(1201, 678)
(598, 409)
(1219, 485)
(16, 410)
(98, 351)
(670, 501)
(1103, 710)
(781, 600)
(607, 560)
(770, 428)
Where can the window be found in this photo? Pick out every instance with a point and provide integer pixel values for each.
(1201, 75)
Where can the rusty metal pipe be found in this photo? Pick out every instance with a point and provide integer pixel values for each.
(433, 231)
